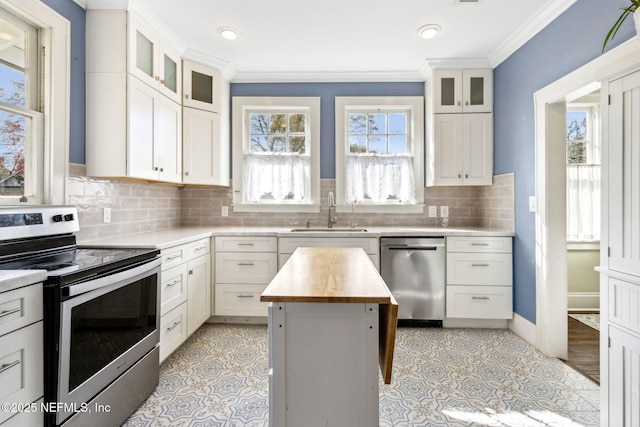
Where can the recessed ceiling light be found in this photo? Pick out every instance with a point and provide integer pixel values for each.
(429, 31)
(228, 33)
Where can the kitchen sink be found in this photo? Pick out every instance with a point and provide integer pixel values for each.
(323, 229)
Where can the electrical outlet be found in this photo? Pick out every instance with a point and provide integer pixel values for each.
(532, 203)
(444, 211)
(106, 215)
(225, 211)
(433, 211)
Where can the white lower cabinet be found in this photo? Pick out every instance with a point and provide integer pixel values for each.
(244, 267)
(479, 278)
(185, 292)
(288, 245)
(21, 354)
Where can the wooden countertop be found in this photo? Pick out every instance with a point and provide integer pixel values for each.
(328, 275)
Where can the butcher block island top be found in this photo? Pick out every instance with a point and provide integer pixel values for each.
(328, 275)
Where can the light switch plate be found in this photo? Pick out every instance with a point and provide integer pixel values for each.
(532, 203)
(433, 211)
(225, 211)
(444, 211)
(106, 215)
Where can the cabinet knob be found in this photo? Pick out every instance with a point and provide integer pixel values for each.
(162, 82)
(466, 175)
(157, 78)
(191, 272)
(466, 103)
(186, 95)
(458, 103)
(186, 174)
(459, 176)
(155, 168)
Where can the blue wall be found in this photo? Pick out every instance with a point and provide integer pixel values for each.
(327, 92)
(572, 40)
(76, 15)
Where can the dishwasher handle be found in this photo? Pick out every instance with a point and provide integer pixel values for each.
(406, 247)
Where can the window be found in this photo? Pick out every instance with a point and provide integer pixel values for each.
(379, 154)
(276, 154)
(34, 103)
(583, 172)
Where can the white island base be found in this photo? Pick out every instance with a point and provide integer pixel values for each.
(323, 361)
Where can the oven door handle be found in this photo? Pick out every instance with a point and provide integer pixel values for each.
(109, 280)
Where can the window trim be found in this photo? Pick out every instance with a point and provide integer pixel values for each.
(54, 37)
(242, 104)
(345, 104)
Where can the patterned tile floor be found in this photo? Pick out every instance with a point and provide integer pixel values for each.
(442, 377)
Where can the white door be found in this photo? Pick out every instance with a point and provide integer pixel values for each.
(624, 181)
(140, 142)
(201, 148)
(447, 149)
(202, 87)
(477, 149)
(168, 139)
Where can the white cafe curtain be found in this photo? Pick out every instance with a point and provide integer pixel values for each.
(583, 202)
(380, 179)
(276, 178)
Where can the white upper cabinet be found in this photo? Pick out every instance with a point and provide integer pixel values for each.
(463, 149)
(463, 91)
(152, 60)
(202, 87)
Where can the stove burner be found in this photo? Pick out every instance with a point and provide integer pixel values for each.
(49, 266)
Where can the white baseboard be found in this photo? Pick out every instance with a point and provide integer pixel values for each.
(583, 301)
(523, 328)
(245, 320)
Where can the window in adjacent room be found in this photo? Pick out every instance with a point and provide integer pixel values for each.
(276, 154)
(583, 172)
(379, 146)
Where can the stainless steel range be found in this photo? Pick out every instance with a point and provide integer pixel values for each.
(101, 316)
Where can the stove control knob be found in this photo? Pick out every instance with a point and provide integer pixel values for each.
(68, 217)
(57, 218)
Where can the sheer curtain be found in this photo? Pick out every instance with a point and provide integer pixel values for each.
(276, 178)
(583, 202)
(380, 178)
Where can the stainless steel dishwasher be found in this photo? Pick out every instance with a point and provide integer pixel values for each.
(413, 269)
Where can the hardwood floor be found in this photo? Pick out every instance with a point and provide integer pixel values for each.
(584, 349)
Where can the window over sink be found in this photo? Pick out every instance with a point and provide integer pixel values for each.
(276, 154)
(379, 154)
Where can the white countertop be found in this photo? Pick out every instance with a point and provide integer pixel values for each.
(13, 279)
(177, 236)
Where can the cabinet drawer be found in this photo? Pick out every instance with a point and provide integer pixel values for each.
(21, 358)
(289, 244)
(479, 244)
(479, 269)
(240, 300)
(173, 288)
(173, 330)
(479, 302)
(235, 267)
(199, 248)
(30, 418)
(20, 307)
(246, 244)
(173, 256)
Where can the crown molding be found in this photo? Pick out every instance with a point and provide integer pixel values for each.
(225, 67)
(327, 77)
(81, 3)
(537, 23)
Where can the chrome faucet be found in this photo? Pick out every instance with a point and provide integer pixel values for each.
(332, 210)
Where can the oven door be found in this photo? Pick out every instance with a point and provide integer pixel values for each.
(106, 326)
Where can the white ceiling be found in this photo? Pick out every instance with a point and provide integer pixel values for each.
(348, 40)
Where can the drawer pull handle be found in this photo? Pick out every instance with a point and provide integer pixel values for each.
(245, 244)
(176, 256)
(9, 312)
(173, 326)
(245, 263)
(199, 248)
(175, 282)
(479, 265)
(245, 296)
(8, 366)
(479, 244)
(480, 298)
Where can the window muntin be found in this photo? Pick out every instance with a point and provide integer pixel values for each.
(20, 122)
(277, 154)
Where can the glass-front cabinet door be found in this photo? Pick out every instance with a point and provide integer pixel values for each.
(463, 91)
(153, 61)
(202, 86)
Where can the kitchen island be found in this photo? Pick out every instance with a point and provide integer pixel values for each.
(332, 320)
